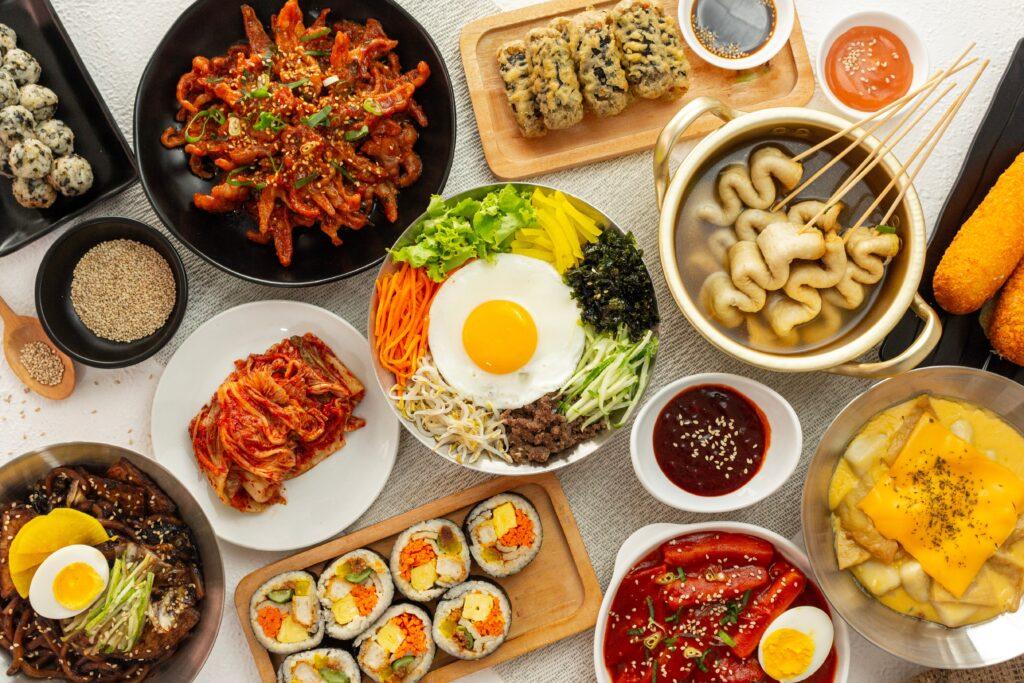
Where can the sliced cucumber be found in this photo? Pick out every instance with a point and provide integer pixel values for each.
(334, 676)
(281, 595)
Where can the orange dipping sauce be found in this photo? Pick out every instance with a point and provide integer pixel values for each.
(868, 67)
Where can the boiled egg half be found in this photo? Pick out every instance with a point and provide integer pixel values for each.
(796, 644)
(505, 332)
(68, 582)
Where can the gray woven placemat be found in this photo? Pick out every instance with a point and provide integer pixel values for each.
(1010, 672)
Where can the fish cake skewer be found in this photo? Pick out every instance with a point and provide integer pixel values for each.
(517, 74)
(602, 77)
(987, 247)
(555, 84)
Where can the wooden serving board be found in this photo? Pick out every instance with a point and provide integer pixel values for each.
(788, 81)
(555, 597)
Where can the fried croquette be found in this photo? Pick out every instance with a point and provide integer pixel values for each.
(1006, 328)
(987, 247)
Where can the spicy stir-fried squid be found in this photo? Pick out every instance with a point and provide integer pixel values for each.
(314, 125)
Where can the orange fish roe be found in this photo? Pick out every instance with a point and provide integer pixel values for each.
(415, 642)
(270, 619)
(365, 598)
(521, 533)
(494, 624)
(417, 553)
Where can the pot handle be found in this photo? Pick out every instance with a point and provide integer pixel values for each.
(670, 135)
(921, 347)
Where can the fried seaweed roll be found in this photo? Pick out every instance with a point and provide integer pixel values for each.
(324, 665)
(678, 64)
(285, 613)
(504, 533)
(646, 57)
(429, 558)
(569, 29)
(354, 589)
(599, 59)
(516, 72)
(472, 620)
(555, 84)
(398, 647)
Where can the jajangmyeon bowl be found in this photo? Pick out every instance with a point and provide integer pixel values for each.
(514, 328)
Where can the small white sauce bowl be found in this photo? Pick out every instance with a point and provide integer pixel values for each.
(785, 15)
(890, 22)
(785, 444)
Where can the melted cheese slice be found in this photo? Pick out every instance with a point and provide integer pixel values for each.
(947, 504)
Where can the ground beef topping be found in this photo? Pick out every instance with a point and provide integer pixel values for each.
(537, 431)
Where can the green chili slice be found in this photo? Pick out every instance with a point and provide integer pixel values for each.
(313, 35)
(402, 663)
(357, 135)
(372, 107)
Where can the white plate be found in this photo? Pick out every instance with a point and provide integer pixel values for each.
(321, 502)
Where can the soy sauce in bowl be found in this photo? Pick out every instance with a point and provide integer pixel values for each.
(710, 440)
(733, 29)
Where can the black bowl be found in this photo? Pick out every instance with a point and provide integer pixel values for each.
(53, 293)
(209, 28)
(97, 136)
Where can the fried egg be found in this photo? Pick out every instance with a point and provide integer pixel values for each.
(505, 332)
(68, 582)
(796, 644)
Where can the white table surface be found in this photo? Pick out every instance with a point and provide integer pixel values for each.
(113, 406)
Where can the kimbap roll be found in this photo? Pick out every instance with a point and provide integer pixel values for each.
(399, 647)
(602, 77)
(285, 613)
(645, 55)
(504, 533)
(326, 665)
(354, 589)
(472, 620)
(517, 74)
(554, 78)
(429, 558)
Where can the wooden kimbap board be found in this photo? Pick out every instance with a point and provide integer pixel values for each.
(556, 596)
(787, 82)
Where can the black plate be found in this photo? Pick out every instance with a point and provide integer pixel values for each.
(97, 136)
(208, 28)
(53, 293)
(1000, 138)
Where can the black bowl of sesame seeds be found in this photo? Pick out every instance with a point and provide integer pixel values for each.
(111, 292)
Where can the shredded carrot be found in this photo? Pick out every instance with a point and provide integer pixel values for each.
(400, 320)
(415, 642)
(521, 534)
(416, 553)
(270, 620)
(493, 624)
(365, 598)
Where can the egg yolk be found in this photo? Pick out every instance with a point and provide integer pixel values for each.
(499, 336)
(787, 653)
(76, 586)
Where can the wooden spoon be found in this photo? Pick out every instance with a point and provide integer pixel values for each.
(22, 329)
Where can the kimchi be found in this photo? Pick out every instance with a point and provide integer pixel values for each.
(279, 414)
(302, 126)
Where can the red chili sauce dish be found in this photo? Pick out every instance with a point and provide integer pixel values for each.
(710, 440)
(868, 67)
(718, 607)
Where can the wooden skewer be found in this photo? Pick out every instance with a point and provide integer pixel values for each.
(895, 104)
(878, 154)
(927, 146)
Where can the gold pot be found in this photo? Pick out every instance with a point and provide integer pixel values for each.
(896, 292)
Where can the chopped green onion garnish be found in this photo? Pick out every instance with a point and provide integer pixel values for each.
(886, 229)
(313, 35)
(372, 107)
(726, 638)
(681, 574)
(635, 632)
(357, 135)
(317, 53)
(700, 660)
(319, 118)
(235, 182)
(216, 114)
(306, 180)
(269, 121)
(340, 168)
(297, 84)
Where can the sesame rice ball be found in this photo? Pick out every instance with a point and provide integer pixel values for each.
(8, 39)
(34, 194)
(9, 93)
(22, 66)
(30, 159)
(16, 124)
(71, 175)
(39, 100)
(56, 135)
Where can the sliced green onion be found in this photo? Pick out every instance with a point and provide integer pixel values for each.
(269, 121)
(357, 135)
(340, 168)
(886, 229)
(372, 107)
(635, 632)
(313, 35)
(297, 84)
(726, 638)
(317, 53)
(319, 118)
(235, 182)
(306, 180)
(207, 114)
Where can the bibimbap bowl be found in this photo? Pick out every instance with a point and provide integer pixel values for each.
(492, 308)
